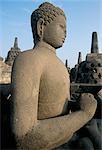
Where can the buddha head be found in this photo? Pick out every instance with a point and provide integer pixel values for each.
(49, 25)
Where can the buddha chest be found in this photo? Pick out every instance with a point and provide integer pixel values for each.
(54, 89)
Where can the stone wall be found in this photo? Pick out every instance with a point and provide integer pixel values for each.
(5, 73)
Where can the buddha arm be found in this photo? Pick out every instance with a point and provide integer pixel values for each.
(38, 134)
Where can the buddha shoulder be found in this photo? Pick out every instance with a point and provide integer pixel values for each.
(29, 57)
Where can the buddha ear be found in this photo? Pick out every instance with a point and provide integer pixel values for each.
(40, 27)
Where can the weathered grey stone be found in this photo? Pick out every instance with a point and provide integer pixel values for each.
(14, 51)
(79, 58)
(41, 88)
(94, 49)
(90, 70)
(89, 79)
(1, 58)
(66, 64)
(94, 44)
(5, 73)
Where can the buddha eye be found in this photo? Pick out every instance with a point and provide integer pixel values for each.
(62, 26)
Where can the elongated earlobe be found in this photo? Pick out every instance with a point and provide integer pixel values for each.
(40, 28)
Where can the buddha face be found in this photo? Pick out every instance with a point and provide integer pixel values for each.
(55, 32)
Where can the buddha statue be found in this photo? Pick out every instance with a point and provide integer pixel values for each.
(41, 87)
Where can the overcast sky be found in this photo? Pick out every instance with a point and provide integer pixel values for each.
(83, 18)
